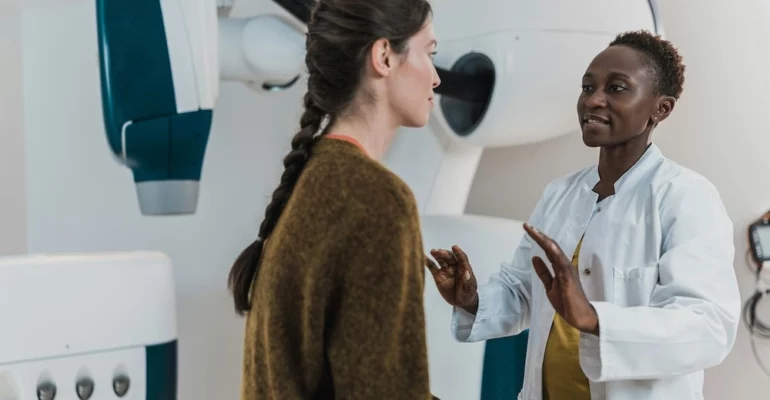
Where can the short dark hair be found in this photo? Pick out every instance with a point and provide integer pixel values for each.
(340, 34)
(665, 60)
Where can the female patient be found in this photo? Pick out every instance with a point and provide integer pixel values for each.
(333, 285)
(639, 295)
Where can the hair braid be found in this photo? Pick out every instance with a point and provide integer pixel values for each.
(240, 279)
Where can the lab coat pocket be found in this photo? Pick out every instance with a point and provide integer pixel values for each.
(633, 287)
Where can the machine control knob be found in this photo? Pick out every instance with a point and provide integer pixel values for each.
(120, 385)
(46, 390)
(84, 388)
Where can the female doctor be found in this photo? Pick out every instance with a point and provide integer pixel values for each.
(625, 277)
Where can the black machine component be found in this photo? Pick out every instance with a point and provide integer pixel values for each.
(300, 9)
(759, 239)
(467, 91)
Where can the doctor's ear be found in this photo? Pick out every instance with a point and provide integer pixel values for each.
(382, 57)
(663, 110)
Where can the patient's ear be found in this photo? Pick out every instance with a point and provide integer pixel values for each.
(381, 56)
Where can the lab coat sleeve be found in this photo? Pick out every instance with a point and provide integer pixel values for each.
(504, 301)
(694, 312)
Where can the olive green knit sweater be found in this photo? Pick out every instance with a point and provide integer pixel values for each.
(338, 301)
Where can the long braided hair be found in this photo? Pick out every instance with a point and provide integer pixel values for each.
(340, 35)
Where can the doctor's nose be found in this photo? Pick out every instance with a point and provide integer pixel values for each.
(597, 99)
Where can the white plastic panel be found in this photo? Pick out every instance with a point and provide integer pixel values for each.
(192, 39)
(537, 83)
(452, 184)
(207, 53)
(180, 41)
(20, 381)
(454, 21)
(59, 305)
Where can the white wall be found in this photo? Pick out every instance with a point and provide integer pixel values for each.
(719, 128)
(13, 219)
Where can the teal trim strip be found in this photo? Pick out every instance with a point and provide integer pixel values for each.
(504, 363)
(135, 68)
(162, 371)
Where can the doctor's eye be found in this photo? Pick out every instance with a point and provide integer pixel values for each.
(617, 88)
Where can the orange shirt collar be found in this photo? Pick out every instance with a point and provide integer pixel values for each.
(347, 139)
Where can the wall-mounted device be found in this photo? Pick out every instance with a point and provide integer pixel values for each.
(161, 62)
(87, 327)
(759, 239)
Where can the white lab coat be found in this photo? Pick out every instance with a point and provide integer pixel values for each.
(657, 265)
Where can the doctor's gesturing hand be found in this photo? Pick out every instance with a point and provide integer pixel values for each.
(455, 279)
(563, 288)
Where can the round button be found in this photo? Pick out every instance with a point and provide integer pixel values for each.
(587, 271)
(46, 391)
(120, 385)
(84, 388)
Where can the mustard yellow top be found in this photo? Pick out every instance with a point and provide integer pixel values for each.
(562, 376)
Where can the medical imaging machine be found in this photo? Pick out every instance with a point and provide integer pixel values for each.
(505, 66)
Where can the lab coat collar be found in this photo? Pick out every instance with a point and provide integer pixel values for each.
(650, 158)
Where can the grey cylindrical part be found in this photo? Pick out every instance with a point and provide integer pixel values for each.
(120, 385)
(46, 391)
(167, 197)
(84, 388)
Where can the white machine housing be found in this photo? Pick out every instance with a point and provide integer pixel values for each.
(205, 48)
(540, 50)
(161, 62)
(69, 318)
(191, 32)
(243, 43)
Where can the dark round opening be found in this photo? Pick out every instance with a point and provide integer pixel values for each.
(464, 115)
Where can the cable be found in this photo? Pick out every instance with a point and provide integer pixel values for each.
(750, 262)
(756, 327)
(756, 356)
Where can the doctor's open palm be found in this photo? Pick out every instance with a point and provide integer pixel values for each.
(563, 287)
(454, 279)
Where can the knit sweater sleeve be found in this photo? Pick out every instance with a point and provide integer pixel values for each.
(377, 344)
